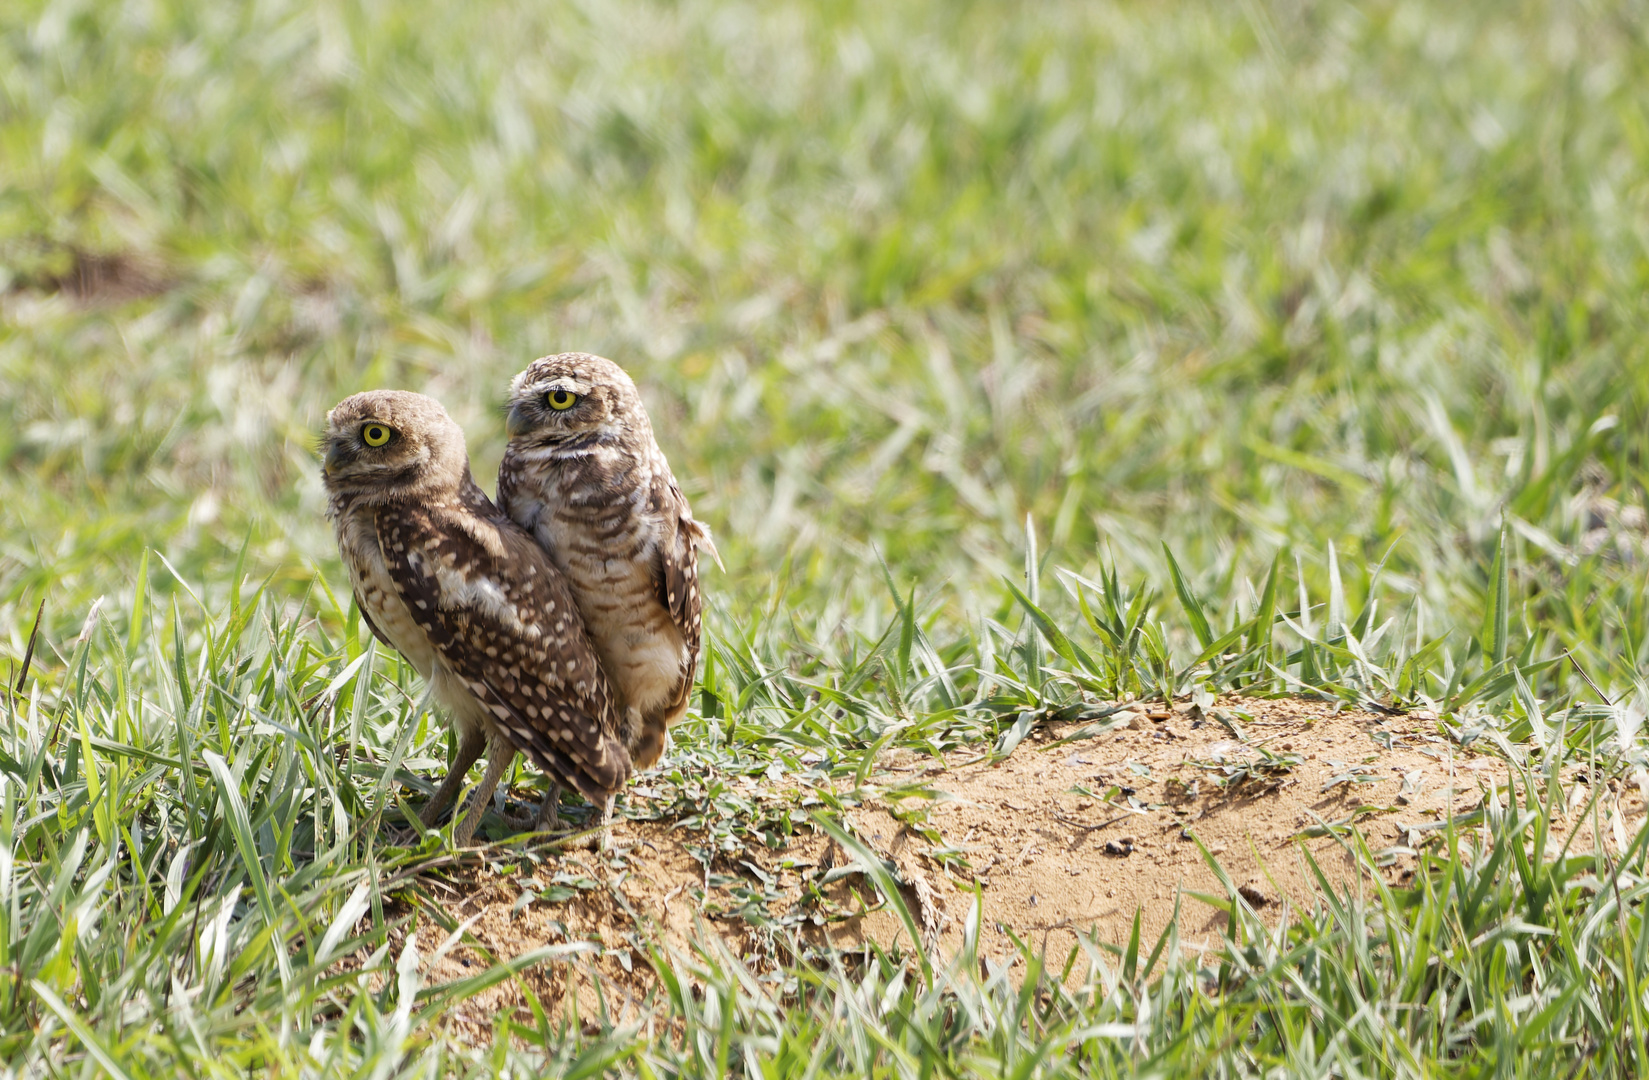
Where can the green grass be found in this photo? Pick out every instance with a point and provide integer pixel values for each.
(1343, 304)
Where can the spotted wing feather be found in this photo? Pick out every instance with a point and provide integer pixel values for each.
(500, 617)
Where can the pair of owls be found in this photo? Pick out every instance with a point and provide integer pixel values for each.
(562, 622)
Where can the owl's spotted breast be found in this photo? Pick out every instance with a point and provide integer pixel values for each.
(374, 590)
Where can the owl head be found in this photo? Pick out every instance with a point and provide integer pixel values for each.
(574, 399)
(392, 444)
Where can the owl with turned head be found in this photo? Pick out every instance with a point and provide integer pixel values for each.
(470, 600)
(583, 474)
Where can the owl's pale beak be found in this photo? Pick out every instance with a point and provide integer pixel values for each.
(334, 458)
(517, 423)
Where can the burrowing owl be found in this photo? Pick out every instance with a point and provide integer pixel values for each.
(469, 599)
(584, 475)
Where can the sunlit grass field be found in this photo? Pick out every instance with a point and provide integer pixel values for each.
(955, 321)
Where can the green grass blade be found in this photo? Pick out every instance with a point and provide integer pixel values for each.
(1497, 617)
(240, 826)
(1188, 600)
(94, 1046)
(885, 882)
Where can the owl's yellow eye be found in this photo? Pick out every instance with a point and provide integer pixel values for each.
(375, 434)
(561, 400)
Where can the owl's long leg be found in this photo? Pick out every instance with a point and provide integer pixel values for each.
(470, 745)
(499, 756)
(549, 811)
(607, 823)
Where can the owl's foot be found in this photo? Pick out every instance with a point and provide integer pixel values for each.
(520, 823)
(547, 819)
(600, 836)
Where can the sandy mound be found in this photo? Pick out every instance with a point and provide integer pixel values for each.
(1074, 832)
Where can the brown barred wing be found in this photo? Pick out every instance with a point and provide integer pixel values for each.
(679, 573)
(504, 623)
(366, 617)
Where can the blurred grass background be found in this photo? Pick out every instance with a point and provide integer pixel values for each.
(892, 277)
(1345, 289)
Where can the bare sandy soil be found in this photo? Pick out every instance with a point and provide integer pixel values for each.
(1064, 837)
